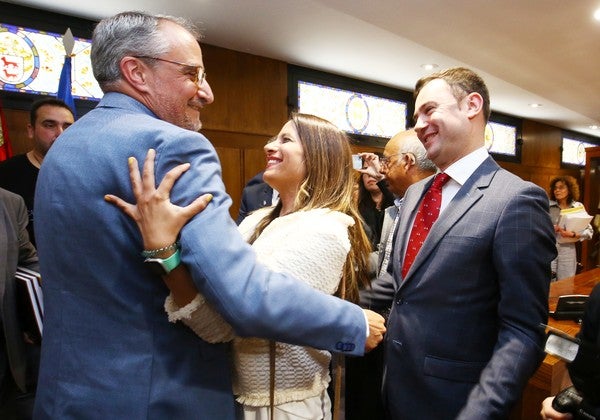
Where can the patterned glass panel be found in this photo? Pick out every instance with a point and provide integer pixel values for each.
(501, 138)
(573, 151)
(353, 112)
(31, 62)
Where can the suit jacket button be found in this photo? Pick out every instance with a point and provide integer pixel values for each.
(344, 346)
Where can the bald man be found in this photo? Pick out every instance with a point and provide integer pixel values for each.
(404, 162)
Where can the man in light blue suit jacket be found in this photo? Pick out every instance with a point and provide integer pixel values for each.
(464, 331)
(109, 351)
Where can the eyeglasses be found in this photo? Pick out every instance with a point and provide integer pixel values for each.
(199, 75)
(386, 160)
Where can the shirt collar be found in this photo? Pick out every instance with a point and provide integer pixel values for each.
(463, 168)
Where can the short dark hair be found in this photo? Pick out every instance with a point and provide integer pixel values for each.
(46, 101)
(462, 81)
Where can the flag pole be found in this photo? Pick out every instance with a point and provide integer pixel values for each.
(65, 85)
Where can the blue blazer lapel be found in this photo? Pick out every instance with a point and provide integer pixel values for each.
(465, 198)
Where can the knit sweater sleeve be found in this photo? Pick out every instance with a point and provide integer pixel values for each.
(311, 245)
(201, 318)
(199, 315)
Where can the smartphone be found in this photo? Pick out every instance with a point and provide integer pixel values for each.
(357, 162)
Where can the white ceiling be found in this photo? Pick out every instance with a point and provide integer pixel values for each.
(529, 51)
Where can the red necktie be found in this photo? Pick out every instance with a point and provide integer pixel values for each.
(428, 212)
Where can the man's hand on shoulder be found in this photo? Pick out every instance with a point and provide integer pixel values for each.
(376, 329)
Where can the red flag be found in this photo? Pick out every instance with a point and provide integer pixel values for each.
(5, 148)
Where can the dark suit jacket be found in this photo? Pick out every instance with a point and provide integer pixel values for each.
(256, 195)
(15, 249)
(464, 332)
(379, 296)
(109, 351)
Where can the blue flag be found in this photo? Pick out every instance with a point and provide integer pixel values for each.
(64, 85)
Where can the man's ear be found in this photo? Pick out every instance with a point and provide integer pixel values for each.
(474, 102)
(408, 161)
(30, 130)
(134, 72)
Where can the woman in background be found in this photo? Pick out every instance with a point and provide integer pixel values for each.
(314, 232)
(564, 193)
(373, 198)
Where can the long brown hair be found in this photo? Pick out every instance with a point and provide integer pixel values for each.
(329, 183)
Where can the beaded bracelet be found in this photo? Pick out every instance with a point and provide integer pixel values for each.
(154, 252)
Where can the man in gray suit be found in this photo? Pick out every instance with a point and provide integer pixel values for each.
(18, 355)
(109, 351)
(464, 331)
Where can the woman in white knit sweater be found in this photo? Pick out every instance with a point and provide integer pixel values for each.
(314, 233)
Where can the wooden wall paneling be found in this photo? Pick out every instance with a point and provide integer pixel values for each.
(358, 148)
(541, 145)
(230, 158)
(250, 106)
(16, 123)
(540, 155)
(590, 257)
(240, 167)
(538, 175)
(254, 162)
(250, 92)
(247, 143)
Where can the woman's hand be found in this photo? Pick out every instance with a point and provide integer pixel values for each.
(159, 220)
(566, 233)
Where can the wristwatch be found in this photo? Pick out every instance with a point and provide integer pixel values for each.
(162, 267)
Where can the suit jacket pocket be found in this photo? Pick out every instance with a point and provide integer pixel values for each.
(454, 370)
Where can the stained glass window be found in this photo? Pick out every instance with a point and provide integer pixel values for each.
(31, 62)
(351, 111)
(573, 151)
(501, 138)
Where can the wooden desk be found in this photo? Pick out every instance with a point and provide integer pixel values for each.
(552, 375)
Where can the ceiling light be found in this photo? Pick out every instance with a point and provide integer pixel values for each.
(597, 15)
(429, 66)
(535, 105)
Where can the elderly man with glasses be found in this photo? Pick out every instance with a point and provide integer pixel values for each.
(404, 162)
